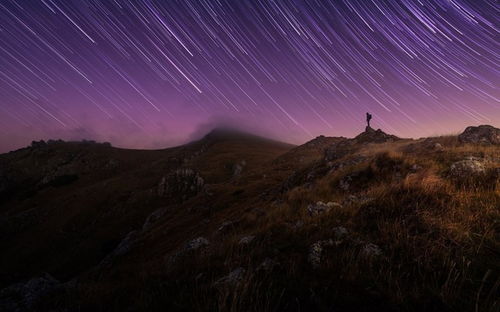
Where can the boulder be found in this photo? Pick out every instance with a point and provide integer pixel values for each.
(467, 168)
(483, 134)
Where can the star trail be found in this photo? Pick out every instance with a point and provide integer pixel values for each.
(151, 74)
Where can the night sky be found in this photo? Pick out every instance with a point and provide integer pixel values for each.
(152, 74)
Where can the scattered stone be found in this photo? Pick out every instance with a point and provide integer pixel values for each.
(24, 296)
(483, 134)
(232, 278)
(246, 240)
(371, 250)
(197, 243)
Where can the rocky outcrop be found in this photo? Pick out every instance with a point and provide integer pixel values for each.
(483, 134)
(183, 182)
(375, 136)
(25, 296)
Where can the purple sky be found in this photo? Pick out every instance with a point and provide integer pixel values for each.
(152, 74)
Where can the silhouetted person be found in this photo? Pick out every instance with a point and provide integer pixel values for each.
(368, 118)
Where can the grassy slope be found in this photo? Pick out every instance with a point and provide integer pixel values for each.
(439, 237)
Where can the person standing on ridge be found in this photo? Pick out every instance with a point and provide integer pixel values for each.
(368, 118)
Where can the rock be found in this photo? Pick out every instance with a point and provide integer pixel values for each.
(182, 182)
(339, 149)
(467, 168)
(345, 183)
(238, 168)
(316, 250)
(246, 240)
(438, 147)
(375, 136)
(232, 278)
(483, 134)
(267, 265)
(123, 247)
(196, 244)
(356, 200)
(318, 208)
(226, 225)
(152, 218)
(371, 250)
(24, 296)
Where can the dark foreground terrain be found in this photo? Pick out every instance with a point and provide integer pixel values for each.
(235, 222)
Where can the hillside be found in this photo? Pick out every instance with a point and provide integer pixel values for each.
(235, 222)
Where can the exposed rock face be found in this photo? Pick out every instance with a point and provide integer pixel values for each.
(467, 168)
(24, 296)
(182, 182)
(375, 136)
(484, 134)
